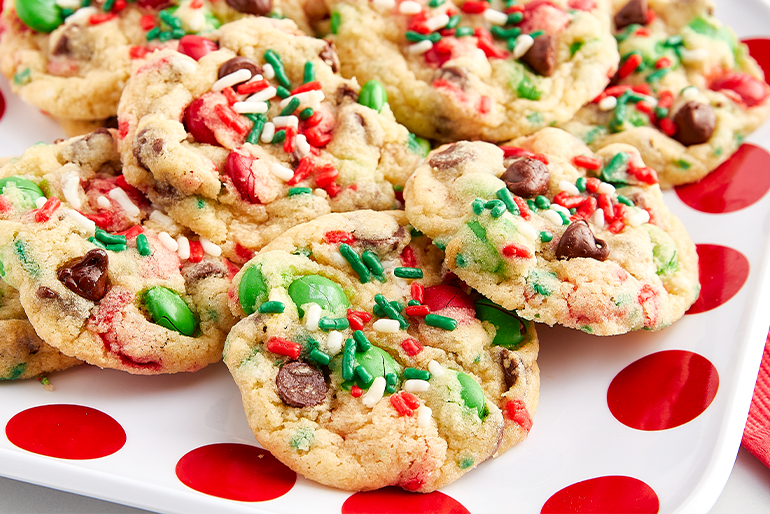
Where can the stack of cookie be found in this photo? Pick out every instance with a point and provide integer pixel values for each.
(369, 225)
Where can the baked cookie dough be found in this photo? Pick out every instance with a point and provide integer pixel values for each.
(101, 274)
(686, 94)
(475, 69)
(258, 135)
(547, 228)
(72, 62)
(359, 368)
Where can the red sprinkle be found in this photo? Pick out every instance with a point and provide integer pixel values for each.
(196, 4)
(303, 171)
(408, 259)
(284, 347)
(665, 99)
(485, 105)
(5, 205)
(317, 138)
(644, 107)
(138, 52)
(523, 207)
(592, 184)
(663, 62)
(355, 322)
(315, 119)
(474, 7)
(616, 227)
(131, 232)
(485, 42)
(119, 5)
(231, 119)
(356, 391)
(417, 23)
(96, 19)
(589, 163)
(516, 411)
(605, 204)
(325, 175)
(417, 310)
(253, 87)
(196, 251)
(229, 93)
(644, 174)
(542, 158)
(310, 86)
(565, 200)
(332, 189)
(362, 315)
(667, 127)
(411, 400)
(400, 405)
(418, 291)
(643, 32)
(46, 211)
(147, 22)
(586, 208)
(515, 151)
(411, 346)
(630, 66)
(339, 236)
(651, 16)
(516, 250)
(102, 219)
(289, 142)
(243, 253)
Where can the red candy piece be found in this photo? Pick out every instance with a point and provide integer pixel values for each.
(303, 171)
(444, 296)
(418, 291)
(152, 4)
(543, 15)
(400, 405)
(339, 236)
(147, 22)
(96, 19)
(516, 411)
(196, 46)
(516, 250)
(238, 168)
(667, 127)
(589, 163)
(750, 91)
(523, 207)
(131, 232)
(309, 86)
(44, 213)
(410, 400)
(195, 123)
(582, 5)
(630, 66)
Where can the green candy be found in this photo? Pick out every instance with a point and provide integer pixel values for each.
(26, 187)
(40, 15)
(252, 291)
(377, 363)
(321, 291)
(507, 324)
(472, 394)
(373, 95)
(169, 310)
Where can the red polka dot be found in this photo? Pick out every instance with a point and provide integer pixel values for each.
(737, 183)
(723, 271)
(442, 296)
(603, 495)
(663, 390)
(2, 100)
(235, 472)
(66, 431)
(759, 49)
(392, 500)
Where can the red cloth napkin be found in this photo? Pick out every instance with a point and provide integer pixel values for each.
(756, 435)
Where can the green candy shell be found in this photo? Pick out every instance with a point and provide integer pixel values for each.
(507, 324)
(39, 15)
(321, 291)
(26, 186)
(170, 311)
(373, 95)
(472, 394)
(252, 291)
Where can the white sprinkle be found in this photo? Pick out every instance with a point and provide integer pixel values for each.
(161, 218)
(435, 368)
(303, 147)
(40, 202)
(71, 189)
(553, 217)
(495, 17)
(183, 247)
(424, 415)
(608, 103)
(334, 342)
(384, 4)
(168, 242)
(255, 78)
(527, 231)
(250, 107)
(81, 15)
(690, 93)
(286, 121)
(268, 71)
(414, 385)
(335, 257)
(282, 172)
(184, 64)
(303, 97)
(569, 187)
(120, 196)
(437, 22)
(210, 248)
(694, 56)
(649, 100)
(312, 317)
(103, 202)
(236, 77)
(605, 188)
(421, 47)
(560, 208)
(597, 218)
(386, 325)
(523, 43)
(315, 99)
(375, 392)
(69, 4)
(264, 95)
(268, 132)
(638, 218)
(409, 7)
(85, 223)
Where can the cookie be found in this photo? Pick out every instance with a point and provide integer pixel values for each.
(260, 135)
(73, 62)
(478, 70)
(359, 368)
(686, 94)
(557, 233)
(101, 274)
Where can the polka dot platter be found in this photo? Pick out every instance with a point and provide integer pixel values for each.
(644, 423)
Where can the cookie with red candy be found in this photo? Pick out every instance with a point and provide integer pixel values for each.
(101, 274)
(490, 70)
(254, 131)
(560, 234)
(360, 368)
(686, 94)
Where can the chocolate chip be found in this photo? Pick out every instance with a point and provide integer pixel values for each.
(579, 241)
(46, 292)
(541, 56)
(61, 47)
(359, 119)
(111, 123)
(510, 362)
(238, 63)
(454, 74)
(195, 272)
(345, 91)
(695, 123)
(448, 158)
(329, 56)
(635, 11)
(87, 276)
(144, 144)
(527, 177)
(300, 384)
(385, 245)
(256, 7)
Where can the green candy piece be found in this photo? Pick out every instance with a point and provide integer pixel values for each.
(169, 310)
(507, 324)
(321, 291)
(378, 363)
(40, 15)
(472, 394)
(373, 95)
(26, 187)
(252, 291)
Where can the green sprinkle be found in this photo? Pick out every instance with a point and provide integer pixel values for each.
(501, 33)
(272, 307)
(309, 72)
(460, 260)
(168, 19)
(294, 191)
(178, 33)
(390, 311)
(143, 245)
(613, 171)
(320, 357)
(256, 130)
(531, 205)
(527, 90)
(403, 272)
(115, 247)
(364, 375)
(272, 57)
(391, 382)
(564, 218)
(290, 107)
(373, 95)
(627, 32)
(541, 202)
(478, 206)
(306, 113)
(514, 18)
(358, 266)
(110, 239)
(536, 33)
(624, 200)
(657, 75)
(279, 137)
(349, 359)
(329, 324)
(661, 112)
(413, 302)
(575, 47)
(415, 373)
(335, 21)
(436, 3)
(362, 343)
(675, 40)
(463, 31)
(581, 183)
(282, 92)
(546, 236)
(417, 145)
(496, 207)
(153, 33)
(453, 22)
(507, 198)
(372, 262)
(166, 36)
(619, 114)
(107, 5)
(434, 320)
(682, 164)
(96, 242)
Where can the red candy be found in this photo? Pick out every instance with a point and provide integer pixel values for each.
(238, 168)
(195, 123)
(196, 46)
(750, 91)
(543, 15)
(339, 236)
(418, 291)
(474, 7)
(408, 258)
(516, 250)
(303, 171)
(444, 296)
(516, 411)
(630, 66)
(46, 211)
(356, 391)
(147, 22)
(96, 19)
(399, 403)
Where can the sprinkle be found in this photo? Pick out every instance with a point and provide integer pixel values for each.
(312, 317)
(82, 15)
(560, 208)
(608, 103)
(398, 402)
(605, 189)
(414, 385)
(334, 342)
(250, 107)
(657, 75)
(388, 326)
(630, 65)
(282, 172)
(404, 272)
(415, 373)
(272, 307)
(409, 7)
(183, 247)
(527, 230)
(120, 196)
(320, 357)
(597, 218)
(286, 121)
(284, 347)
(372, 262)
(268, 132)
(70, 189)
(303, 147)
(417, 290)
(355, 262)
(267, 71)
(437, 22)
(375, 392)
(507, 198)
(329, 324)
(417, 310)
(478, 205)
(546, 236)
(435, 369)
(161, 218)
(638, 218)
(523, 43)
(236, 77)
(46, 208)
(424, 415)
(349, 359)
(85, 223)
(419, 48)
(264, 95)
(210, 248)
(497, 208)
(553, 217)
(690, 93)
(693, 56)
(384, 4)
(309, 72)
(411, 346)
(444, 322)
(143, 245)
(294, 191)
(542, 202)
(272, 57)
(103, 202)
(495, 17)
(168, 242)
(356, 391)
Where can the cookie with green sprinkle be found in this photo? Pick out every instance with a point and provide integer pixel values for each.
(101, 274)
(260, 134)
(359, 368)
(71, 58)
(686, 94)
(490, 70)
(547, 228)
